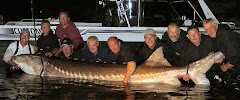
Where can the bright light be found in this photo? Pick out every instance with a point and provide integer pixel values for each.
(118, 11)
(130, 8)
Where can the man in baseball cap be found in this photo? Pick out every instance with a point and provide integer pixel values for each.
(68, 51)
(152, 42)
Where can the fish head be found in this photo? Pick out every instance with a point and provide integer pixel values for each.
(31, 64)
(206, 63)
(218, 55)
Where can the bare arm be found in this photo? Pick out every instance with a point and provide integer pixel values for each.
(58, 51)
(51, 53)
(54, 50)
(10, 62)
(131, 66)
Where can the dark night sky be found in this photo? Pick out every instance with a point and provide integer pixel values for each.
(225, 10)
(19, 9)
(85, 10)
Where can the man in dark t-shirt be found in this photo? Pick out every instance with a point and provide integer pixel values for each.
(197, 48)
(152, 42)
(121, 53)
(93, 51)
(47, 43)
(177, 40)
(226, 41)
(68, 51)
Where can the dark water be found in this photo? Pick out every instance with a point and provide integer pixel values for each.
(18, 85)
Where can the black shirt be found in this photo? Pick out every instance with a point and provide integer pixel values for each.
(124, 55)
(47, 43)
(193, 53)
(76, 55)
(176, 47)
(102, 53)
(145, 52)
(227, 42)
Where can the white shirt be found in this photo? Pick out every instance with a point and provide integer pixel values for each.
(21, 50)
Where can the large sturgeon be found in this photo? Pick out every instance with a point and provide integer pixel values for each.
(152, 71)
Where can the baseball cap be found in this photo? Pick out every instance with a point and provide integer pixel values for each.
(149, 31)
(66, 41)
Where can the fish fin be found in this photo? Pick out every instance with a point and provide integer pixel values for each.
(172, 81)
(210, 53)
(200, 79)
(158, 56)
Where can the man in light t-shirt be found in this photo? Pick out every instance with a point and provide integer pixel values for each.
(18, 48)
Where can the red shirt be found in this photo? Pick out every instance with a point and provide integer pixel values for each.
(72, 32)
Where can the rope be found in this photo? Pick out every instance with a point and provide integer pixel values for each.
(187, 70)
(42, 67)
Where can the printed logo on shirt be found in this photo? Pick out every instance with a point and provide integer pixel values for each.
(124, 63)
(48, 47)
(177, 53)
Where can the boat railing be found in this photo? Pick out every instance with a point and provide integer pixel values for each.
(53, 22)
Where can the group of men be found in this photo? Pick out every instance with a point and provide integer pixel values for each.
(179, 47)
